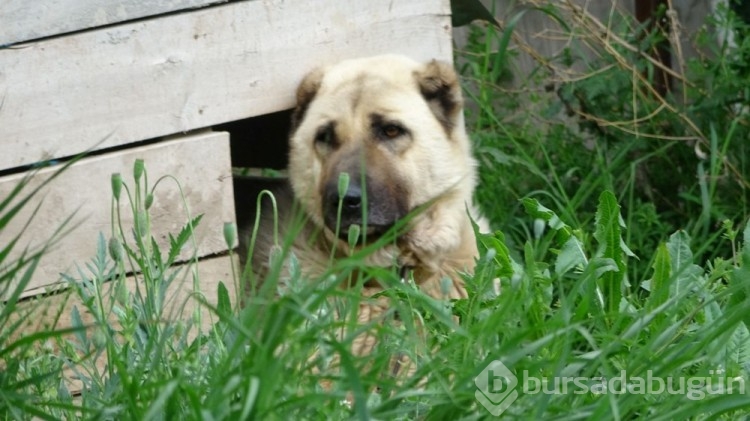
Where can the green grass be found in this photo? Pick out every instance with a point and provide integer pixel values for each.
(619, 250)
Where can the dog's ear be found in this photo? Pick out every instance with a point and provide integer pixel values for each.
(439, 85)
(306, 92)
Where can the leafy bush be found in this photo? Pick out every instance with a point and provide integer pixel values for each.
(590, 118)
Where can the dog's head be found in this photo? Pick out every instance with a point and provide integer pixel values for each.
(395, 126)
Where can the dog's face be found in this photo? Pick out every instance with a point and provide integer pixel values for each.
(393, 125)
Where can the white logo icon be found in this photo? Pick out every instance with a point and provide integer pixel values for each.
(496, 386)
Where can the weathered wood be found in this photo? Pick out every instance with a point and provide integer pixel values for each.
(24, 20)
(55, 312)
(135, 81)
(201, 164)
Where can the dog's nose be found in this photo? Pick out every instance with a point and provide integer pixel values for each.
(371, 206)
(351, 202)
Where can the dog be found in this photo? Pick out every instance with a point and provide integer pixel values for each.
(393, 128)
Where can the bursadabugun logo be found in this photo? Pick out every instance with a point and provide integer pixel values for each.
(496, 387)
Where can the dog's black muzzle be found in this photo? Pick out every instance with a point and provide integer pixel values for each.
(373, 208)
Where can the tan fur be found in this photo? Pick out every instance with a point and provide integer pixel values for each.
(341, 124)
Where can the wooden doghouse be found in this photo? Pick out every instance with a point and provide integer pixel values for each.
(189, 86)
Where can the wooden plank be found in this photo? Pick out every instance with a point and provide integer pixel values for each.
(24, 20)
(55, 312)
(146, 79)
(201, 164)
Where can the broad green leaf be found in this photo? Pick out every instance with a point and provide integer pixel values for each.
(684, 273)
(223, 305)
(537, 210)
(659, 282)
(594, 270)
(570, 256)
(739, 351)
(609, 236)
(679, 249)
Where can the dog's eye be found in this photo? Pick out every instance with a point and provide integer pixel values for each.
(324, 135)
(391, 131)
